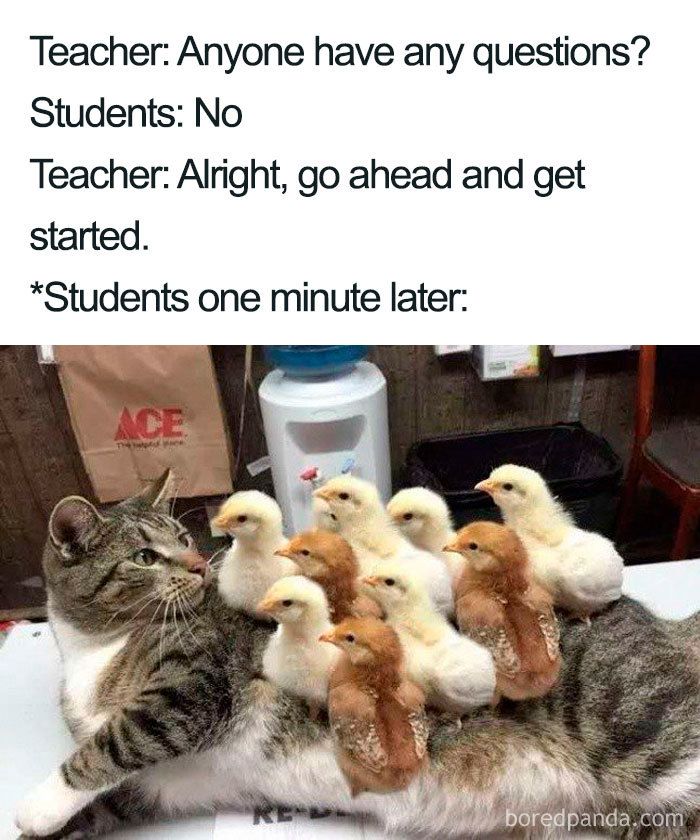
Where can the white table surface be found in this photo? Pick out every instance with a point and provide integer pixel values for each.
(34, 739)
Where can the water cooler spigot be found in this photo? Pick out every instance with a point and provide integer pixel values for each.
(313, 475)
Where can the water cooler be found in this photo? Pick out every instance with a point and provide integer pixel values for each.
(325, 412)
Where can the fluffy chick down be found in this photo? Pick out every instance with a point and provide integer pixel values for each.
(377, 716)
(422, 516)
(328, 559)
(581, 570)
(456, 673)
(295, 659)
(250, 565)
(499, 605)
(361, 519)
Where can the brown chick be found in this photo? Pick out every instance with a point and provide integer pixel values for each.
(377, 716)
(498, 604)
(328, 559)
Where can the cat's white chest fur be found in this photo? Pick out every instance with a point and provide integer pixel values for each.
(84, 662)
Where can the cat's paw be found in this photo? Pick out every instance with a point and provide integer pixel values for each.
(49, 806)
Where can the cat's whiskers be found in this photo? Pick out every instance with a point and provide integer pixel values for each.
(162, 630)
(177, 629)
(189, 511)
(148, 603)
(190, 609)
(187, 604)
(182, 602)
(210, 561)
(174, 500)
(149, 595)
(148, 626)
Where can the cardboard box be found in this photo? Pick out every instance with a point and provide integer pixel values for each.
(506, 361)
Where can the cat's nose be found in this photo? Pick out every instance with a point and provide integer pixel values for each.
(196, 563)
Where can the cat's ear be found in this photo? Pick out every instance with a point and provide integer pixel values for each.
(71, 524)
(158, 493)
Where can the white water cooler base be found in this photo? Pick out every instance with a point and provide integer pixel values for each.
(326, 423)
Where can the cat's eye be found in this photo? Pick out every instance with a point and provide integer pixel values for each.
(146, 557)
(287, 602)
(389, 581)
(185, 539)
(242, 519)
(349, 637)
(408, 517)
(507, 486)
(305, 552)
(344, 496)
(473, 546)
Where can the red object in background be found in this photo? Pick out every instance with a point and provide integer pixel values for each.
(6, 626)
(668, 459)
(310, 474)
(150, 423)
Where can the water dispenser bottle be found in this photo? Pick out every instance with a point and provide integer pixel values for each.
(325, 412)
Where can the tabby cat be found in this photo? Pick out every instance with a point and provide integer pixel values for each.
(163, 692)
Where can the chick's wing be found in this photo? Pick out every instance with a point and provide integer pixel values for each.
(352, 715)
(484, 620)
(412, 699)
(539, 600)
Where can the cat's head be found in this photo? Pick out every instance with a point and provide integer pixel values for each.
(105, 570)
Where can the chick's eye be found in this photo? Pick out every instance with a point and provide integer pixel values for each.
(389, 581)
(507, 486)
(408, 517)
(305, 552)
(242, 518)
(473, 546)
(287, 602)
(146, 557)
(349, 638)
(344, 496)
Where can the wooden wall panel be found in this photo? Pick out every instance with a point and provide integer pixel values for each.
(399, 366)
(229, 364)
(39, 464)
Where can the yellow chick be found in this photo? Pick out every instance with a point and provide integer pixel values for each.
(295, 659)
(581, 570)
(362, 520)
(423, 517)
(375, 713)
(322, 516)
(456, 673)
(251, 566)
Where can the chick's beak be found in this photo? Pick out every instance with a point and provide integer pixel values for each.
(487, 486)
(324, 494)
(452, 547)
(284, 552)
(267, 605)
(372, 580)
(327, 637)
(221, 521)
